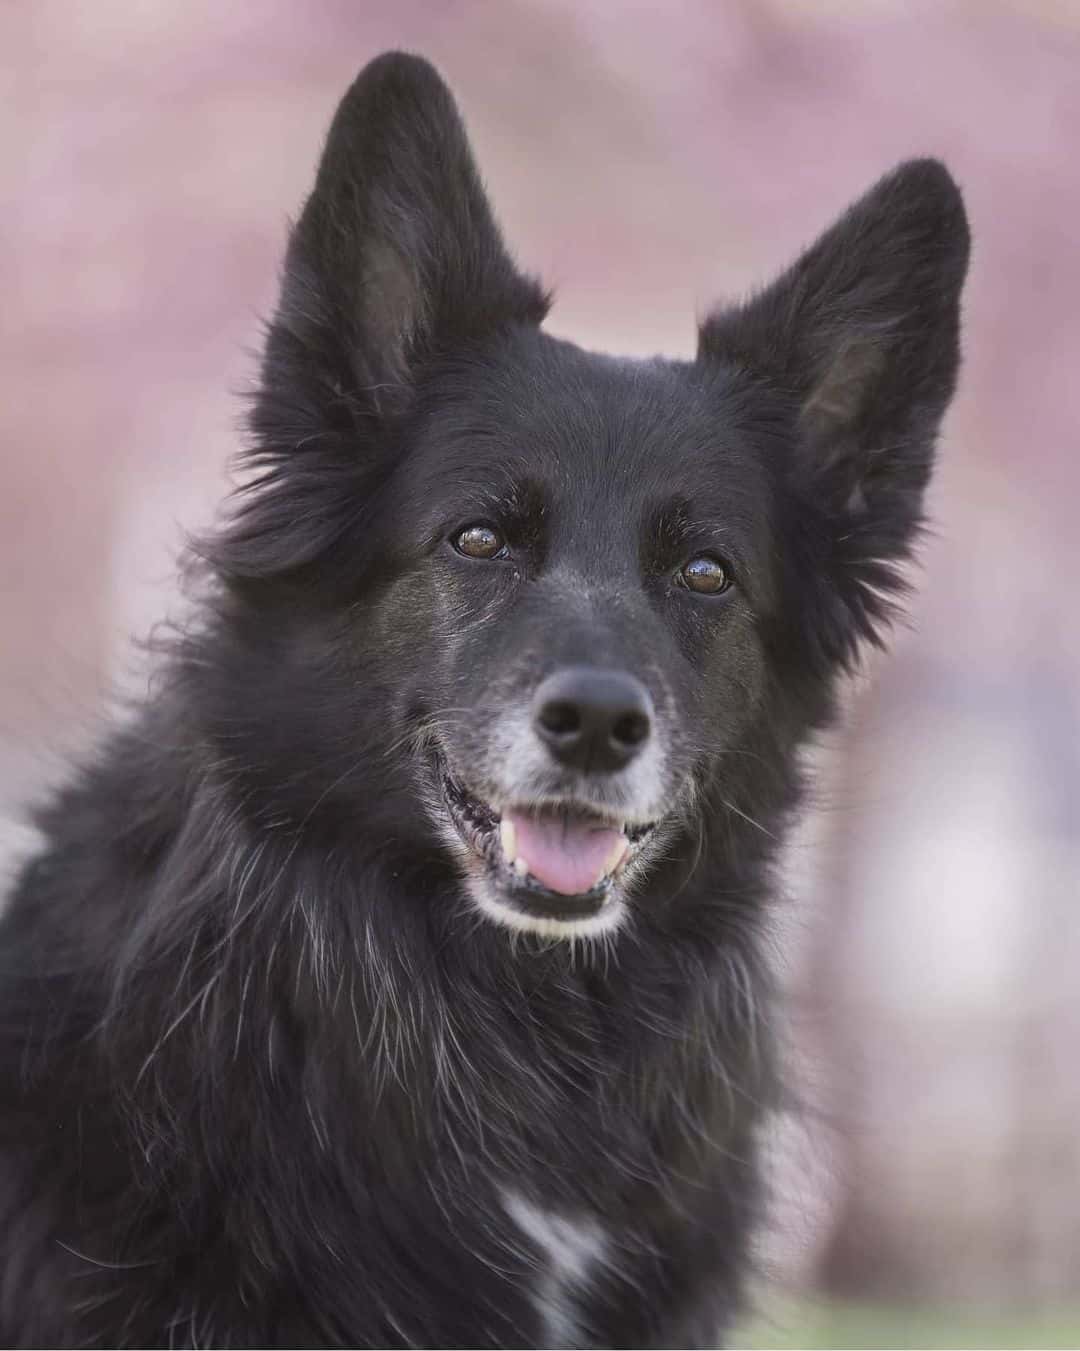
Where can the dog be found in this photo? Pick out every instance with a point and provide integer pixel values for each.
(395, 975)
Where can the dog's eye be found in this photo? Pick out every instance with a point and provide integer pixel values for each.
(480, 541)
(706, 575)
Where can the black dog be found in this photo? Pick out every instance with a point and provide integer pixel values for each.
(394, 978)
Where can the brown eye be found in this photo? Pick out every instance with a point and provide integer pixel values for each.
(705, 575)
(480, 541)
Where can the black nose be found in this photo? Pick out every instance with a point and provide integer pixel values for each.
(592, 719)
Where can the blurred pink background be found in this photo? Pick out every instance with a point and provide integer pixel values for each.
(646, 159)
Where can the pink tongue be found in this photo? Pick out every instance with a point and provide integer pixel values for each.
(566, 856)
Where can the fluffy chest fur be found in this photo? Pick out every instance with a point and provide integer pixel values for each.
(294, 1130)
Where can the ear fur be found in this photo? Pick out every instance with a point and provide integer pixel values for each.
(861, 335)
(396, 259)
(397, 240)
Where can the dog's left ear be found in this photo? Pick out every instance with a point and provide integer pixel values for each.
(862, 334)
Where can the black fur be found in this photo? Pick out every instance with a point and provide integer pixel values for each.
(267, 1077)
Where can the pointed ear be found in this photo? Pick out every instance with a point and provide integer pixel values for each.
(862, 336)
(395, 260)
(397, 245)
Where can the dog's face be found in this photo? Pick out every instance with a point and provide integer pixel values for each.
(562, 587)
(587, 563)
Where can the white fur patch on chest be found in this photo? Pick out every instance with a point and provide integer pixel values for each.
(570, 1250)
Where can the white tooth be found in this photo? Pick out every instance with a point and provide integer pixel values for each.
(520, 867)
(508, 839)
(618, 850)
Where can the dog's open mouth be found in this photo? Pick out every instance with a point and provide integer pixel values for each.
(559, 862)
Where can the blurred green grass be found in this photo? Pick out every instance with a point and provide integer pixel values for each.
(815, 1324)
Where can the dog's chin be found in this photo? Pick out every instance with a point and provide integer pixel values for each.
(500, 880)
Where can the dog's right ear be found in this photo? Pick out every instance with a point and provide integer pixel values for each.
(395, 260)
(397, 254)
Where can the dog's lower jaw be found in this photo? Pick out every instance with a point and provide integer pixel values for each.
(602, 922)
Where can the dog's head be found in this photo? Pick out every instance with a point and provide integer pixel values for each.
(566, 590)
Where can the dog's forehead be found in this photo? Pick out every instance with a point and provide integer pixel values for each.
(579, 424)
